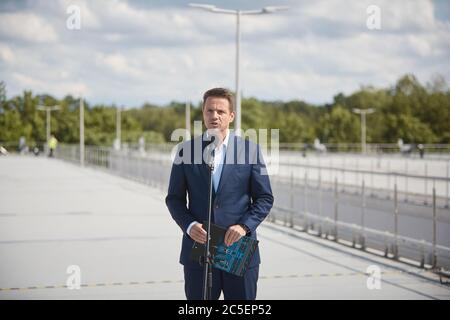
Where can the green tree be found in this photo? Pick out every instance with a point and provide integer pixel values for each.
(408, 128)
(407, 110)
(253, 115)
(339, 126)
(294, 129)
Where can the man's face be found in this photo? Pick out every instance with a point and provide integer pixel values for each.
(216, 113)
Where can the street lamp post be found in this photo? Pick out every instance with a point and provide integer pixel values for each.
(118, 143)
(188, 120)
(363, 113)
(48, 109)
(238, 14)
(118, 140)
(81, 132)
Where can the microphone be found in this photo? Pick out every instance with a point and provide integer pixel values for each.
(209, 149)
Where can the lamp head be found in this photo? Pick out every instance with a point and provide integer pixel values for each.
(272, 9)
(208, 7)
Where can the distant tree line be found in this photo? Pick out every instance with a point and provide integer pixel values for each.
(408, 110)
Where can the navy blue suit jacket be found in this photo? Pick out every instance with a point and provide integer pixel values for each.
(244, 194)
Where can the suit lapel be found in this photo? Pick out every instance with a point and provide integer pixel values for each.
(204, 169)
(226, 171)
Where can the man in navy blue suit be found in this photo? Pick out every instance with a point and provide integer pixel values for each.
(242, 196)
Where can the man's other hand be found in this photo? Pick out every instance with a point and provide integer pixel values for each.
(198, 233)
(233, 234)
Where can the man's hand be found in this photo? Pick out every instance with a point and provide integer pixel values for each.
(233, 234)
(198, 233)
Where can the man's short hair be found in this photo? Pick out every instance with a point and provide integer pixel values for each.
(220, 93)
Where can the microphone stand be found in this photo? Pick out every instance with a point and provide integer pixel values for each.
(207, 270)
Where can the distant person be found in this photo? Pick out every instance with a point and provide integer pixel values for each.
(305, 147)
(52, 144)
(36, 150)
(405, 149)
(142, 145)
(421, 150)
(3, 151)
(23, 148)
(319, 147)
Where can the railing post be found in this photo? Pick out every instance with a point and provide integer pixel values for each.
(335, 208)
(320, 204)
(406, 180)
(371, 177)
(343, 175)
(446, 187)
(305, 203)
(291, 201)
(388, 187)
(161, 174)
(434, 260)
(426, 184)
(363, 212)
(395, 219)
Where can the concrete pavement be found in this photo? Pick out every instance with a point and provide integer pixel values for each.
(54, 214)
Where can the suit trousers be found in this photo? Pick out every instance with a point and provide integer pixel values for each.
(233, 287)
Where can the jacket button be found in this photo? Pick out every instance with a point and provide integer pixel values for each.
(217, 206)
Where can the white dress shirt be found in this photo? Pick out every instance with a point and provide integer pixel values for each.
(219, 159)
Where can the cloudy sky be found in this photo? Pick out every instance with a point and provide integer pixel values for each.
(131, 52)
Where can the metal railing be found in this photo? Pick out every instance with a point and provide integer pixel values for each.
(356, 231)
(413, 178)
(153, 165)
(436, 150)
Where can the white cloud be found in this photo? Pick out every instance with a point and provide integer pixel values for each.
(119, 64)
(6, 54)
(128, 54)
(27, 81)
(58, 88)
(27, 26)
(410, 15)
(419, 45)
